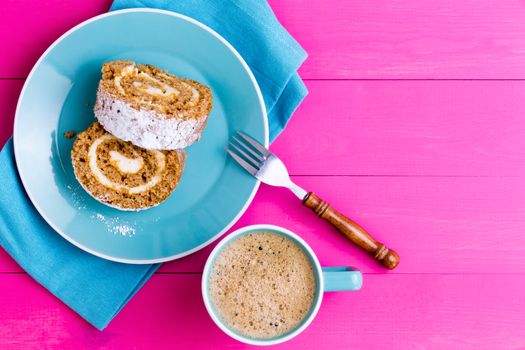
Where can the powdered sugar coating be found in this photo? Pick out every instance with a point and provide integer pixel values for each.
(146, 128)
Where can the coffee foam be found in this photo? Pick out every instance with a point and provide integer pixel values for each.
(262, 285)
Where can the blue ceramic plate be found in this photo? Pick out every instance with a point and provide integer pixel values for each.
(58, 96)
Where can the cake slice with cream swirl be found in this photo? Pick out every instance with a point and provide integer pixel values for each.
(122, 175)
(151, 108)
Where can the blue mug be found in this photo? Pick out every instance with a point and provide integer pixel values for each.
(328, 279)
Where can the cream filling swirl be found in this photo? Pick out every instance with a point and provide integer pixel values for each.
(126, 165)
(164, 90)
(128, 70)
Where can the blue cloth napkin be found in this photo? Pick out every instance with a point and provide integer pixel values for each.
(97, 289)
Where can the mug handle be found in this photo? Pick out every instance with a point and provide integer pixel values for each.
(341, 278)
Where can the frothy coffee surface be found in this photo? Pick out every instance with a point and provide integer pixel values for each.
(262, 285)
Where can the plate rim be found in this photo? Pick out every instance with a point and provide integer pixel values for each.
(19, 156)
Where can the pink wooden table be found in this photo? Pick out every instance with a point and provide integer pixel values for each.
(424, 145)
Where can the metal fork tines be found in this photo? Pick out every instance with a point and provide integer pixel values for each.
(261, 163)
(249, 154)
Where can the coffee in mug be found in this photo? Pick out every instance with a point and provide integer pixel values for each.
(262, 285)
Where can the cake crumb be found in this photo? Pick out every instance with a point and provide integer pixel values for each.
(69, 134)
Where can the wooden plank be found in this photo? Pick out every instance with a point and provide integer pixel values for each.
(418, 39)
(436, 128)
(390, 312)
(445, 128)
(438, 225)
(345, 39)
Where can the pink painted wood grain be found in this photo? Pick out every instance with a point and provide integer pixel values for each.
(408, 39)
(418, 311)
(434, 168)
(436, 128)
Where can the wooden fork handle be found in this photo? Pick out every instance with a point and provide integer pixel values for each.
(352, 231)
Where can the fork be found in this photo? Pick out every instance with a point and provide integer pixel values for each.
(268, 168)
